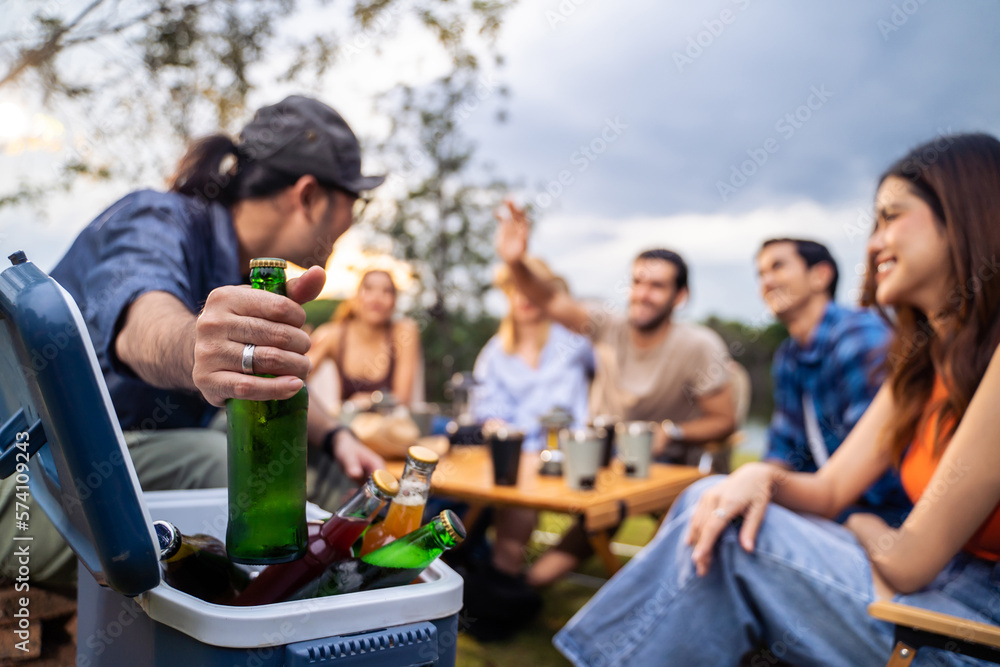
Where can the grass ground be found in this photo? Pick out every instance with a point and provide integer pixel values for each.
(533, 647)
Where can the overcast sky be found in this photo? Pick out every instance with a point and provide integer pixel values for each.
(705, 127)
(701, 88)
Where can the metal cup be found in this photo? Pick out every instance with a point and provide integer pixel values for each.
(635, 447)
(583, 448)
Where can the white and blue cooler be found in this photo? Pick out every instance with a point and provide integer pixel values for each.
(82, 477)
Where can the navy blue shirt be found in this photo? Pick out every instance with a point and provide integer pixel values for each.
(840, 369)
(148, 242)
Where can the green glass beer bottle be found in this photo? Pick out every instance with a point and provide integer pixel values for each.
(397, 563)
(267, 463)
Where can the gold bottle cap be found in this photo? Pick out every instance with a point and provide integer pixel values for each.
(422, 454)
(453, 525)
(386, 482)
(268, 262)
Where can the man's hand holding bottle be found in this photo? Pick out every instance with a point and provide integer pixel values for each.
(237, 316)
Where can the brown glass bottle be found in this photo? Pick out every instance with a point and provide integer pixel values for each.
(198, 565)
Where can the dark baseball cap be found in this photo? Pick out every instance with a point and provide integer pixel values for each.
(301, 135)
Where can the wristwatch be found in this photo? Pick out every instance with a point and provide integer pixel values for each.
(673, 431)
(330, 439)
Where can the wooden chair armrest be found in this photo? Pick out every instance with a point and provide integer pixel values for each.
(736, 439)
(716, 446)
(934, 622)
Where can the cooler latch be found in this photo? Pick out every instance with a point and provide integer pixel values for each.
(19, 442)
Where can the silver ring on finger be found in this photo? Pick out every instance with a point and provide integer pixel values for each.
(247, 362)
(721, 513)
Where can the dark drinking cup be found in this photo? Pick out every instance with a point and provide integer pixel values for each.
(607, 424)
(505, 445)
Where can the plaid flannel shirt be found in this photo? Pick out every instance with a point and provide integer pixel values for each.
(841, 369)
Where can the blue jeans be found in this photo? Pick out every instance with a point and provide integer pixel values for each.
(801, 598)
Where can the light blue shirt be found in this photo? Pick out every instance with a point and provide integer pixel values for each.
(511, 390)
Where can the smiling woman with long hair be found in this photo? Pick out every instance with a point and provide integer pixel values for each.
(743, 563)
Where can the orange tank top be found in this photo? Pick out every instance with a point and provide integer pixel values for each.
(920, 463)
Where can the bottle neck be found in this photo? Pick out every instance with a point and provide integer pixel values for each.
(415, 549)
(415, 483)
(269, 278)
(440, 538)
(364, 504)
(183, 552)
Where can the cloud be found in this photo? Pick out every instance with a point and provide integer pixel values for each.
(690, 124)
(685, 126)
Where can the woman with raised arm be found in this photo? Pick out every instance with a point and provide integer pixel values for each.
(745, 563)
(529, 367)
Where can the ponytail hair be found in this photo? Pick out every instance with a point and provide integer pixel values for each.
(214, 169)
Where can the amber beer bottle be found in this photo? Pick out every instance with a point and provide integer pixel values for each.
(267, 463)
(407, 509)
(394, 564)
(332, 542)
(198, 565)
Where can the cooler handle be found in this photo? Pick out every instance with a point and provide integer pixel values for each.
(413, 645)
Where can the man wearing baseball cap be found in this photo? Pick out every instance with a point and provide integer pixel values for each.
(159, 278)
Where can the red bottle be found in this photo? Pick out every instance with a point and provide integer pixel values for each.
(330, 543)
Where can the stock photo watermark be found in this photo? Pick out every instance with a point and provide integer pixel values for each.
(367, 35)
(581, 159)
(786, 126)
(22, 552)
(899, 16)
(562, 12)
(704, 39)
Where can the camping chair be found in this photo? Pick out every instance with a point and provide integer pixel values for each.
(714, 451)
(917, 628)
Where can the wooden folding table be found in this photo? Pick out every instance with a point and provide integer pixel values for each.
(466, 474)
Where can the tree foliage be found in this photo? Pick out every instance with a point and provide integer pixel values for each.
(152, 73)
(753, 346)
(148, 73)
(442, 223)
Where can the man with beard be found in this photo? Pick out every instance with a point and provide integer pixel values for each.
(828, 369)
(649, 367)
(160, 280)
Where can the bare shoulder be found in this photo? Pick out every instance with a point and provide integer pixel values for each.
(405, 330)
(327, 337)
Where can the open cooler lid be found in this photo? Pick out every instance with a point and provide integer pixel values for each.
(52, 388)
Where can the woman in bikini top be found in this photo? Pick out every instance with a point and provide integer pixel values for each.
(371, 351)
